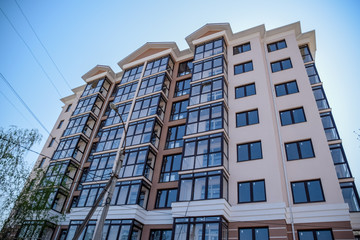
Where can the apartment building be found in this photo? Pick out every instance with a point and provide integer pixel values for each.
(232, 138)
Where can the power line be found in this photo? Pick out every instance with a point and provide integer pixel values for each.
(32, 53)
(47, 52)
(13, 105)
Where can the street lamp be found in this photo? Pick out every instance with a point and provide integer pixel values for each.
(110, 186)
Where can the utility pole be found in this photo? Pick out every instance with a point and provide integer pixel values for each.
(109, 187)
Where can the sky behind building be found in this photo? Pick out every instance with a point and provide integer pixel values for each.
(81, 34)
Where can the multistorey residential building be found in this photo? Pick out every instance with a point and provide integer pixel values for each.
(232, 138)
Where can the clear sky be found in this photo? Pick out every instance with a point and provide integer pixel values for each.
(82, 34)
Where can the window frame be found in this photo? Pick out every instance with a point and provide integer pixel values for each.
(153, 84)
(185, 89)
(199, 93)
(247, 119)
(240, 48)
(312, 73)
(176, 140)
(292, 116)
(242, 67)
(286, 88)
(245, 87)
(299, 150)
(343, 163)
(276, 45)
(305, 55)
(248, 144)
(281, 66)
(198, 54)
(307, 194)
(125, 92)
(332, 130)
(172, 172)
(253, 230)
(180, 114)
(167, 194)
(161, 234)
(168, 66)
(187, 70)
(251, 193)
(202, 72)
(314, 232)
(132, 74)
(344, 185)
(322, 102)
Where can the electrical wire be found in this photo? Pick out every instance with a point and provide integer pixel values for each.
(13, 105)
(32, 54)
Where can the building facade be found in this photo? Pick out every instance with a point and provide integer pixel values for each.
(232, 138)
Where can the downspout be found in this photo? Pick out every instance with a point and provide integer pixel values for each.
(282, 150)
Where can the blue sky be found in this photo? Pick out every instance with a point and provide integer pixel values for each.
(82, 34)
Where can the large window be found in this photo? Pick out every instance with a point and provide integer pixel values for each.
(351, 196)
(329, 126)
(318, 234)
(249, 151)
(200, 228)
(159, 65)
(170, 168)
(286, 88)
(145, 131)
(82, 124)
(101, 86)
(109, 138)
(147, 106)
(113, 117)
(154, 84)
(165, 197)
(243, 67)
(281, 65)
(340, 161)
(130, 192)
(210, 48)
(292, 116)
(245, 90)
(312, 73)
(101, 167)
(92, 103)
(179, 110)
(125, 92)
(160, 234)
(60, 174)
(299, 150)
(175, 137)
(36, 230)
(72, 147)
(207, 118)
(182, 87)
(247, 118)
(203, 186)
(185, 68)
(132, 74)
(260, 233)
(209, 68)
(320, 98)
(205, 151)
(276, 46)
(89, 194)
(241, 48)
(253, 191)
(209, 90)
(307, 191)
(305, 53)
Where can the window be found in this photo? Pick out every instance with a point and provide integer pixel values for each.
(175, 137)
(159, 65)
(160, 234)
(145, 131)
(207, 118)
(243, 67)
(312, 73)
(101, 85)
(68, 108)
(276, 46)
(317, 234)
(253, 191)
(305, 53)
(113, 117)
(249, 151)
(73, 147)
(247, 118)
(320, 98)
(89, 194)
(261, 233)
(41, 164)
(92, 103)
(88, 231)
(245, 90)
(329, 126)
(185, 68)
(351, 196)
(209, 90)
(130, 192)
(209, 68)
(210, 48)
(101, 167)
(60, 124)
(165, 197)
(125, 92)
(299, 150)
(132, 74)
(36, 230)
(109, 138)
(202, 186)
(179, 110)
(205, 151)
(307, 191)
(341, 165)
(81, 124)
(154, 84)
(182, 87)
(242, 48)
(292, 116)
(170, 168)
(147, 106)
(281, 65)
(286, 88)
(60, 174)
(51, 142)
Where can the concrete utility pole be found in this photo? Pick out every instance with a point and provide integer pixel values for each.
(110, 186)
